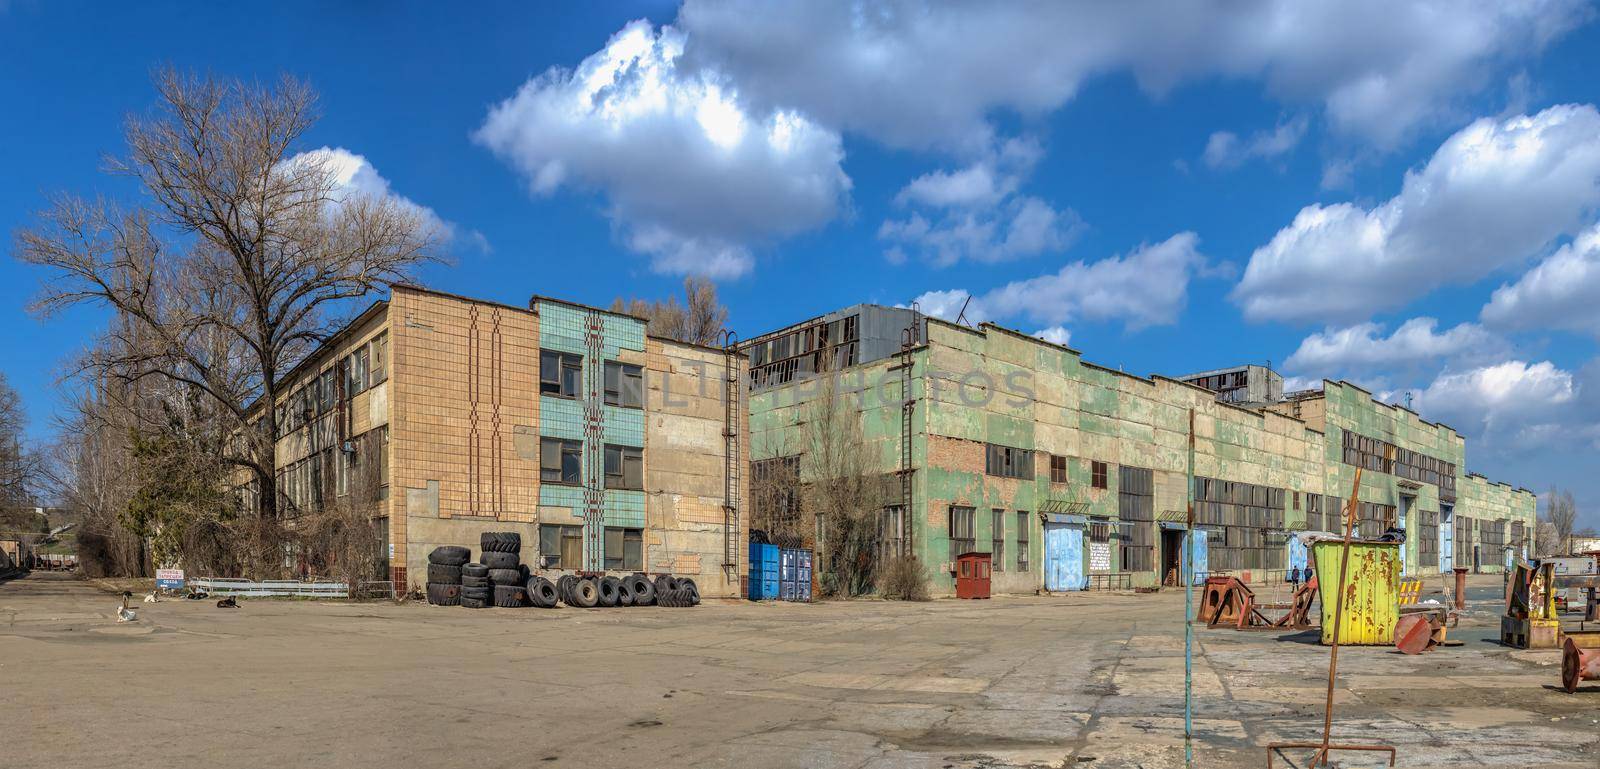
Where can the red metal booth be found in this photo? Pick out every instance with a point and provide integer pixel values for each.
(972, 575)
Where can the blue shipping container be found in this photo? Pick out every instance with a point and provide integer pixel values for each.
(788, 591)
(760, 553)
(804, 592)
(789, 561)
(763, 589)
(805, 559)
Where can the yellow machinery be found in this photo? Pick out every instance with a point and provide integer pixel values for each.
(1371, 606)
(1530, 621)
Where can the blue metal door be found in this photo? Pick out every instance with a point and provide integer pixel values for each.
(1297, 556)
(1063, 553)
(1400, 523)
(1198, 570)
(1447, 539)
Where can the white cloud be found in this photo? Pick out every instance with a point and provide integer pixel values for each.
(914, 74)
(353, 175)
(1494, 195)
(1563, 291)
(1363, 347)
(1147, 287)
(1505, 401)
(1055, 335)
(1226, 150)
(975, 213)
(692, 176)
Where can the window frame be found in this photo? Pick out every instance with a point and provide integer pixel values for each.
(619, 396)
(564, 447)
(1099, 474)
(564, 362)
(562, 532)
(630, 461)
(1024, 526)
(997, 538)
(969, 515)
(627, 558)
(1058, 469)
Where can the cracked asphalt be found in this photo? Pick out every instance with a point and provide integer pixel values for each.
(1086, 680)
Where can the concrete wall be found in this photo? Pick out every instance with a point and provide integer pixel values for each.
(685, 461)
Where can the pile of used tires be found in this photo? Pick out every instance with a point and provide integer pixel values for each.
(499, 579)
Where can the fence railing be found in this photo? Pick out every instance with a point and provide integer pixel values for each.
(273, 587)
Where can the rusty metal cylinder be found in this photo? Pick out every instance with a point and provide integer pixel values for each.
(1461, 588)
(1578, 664)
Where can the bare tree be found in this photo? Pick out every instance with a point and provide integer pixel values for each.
(240, 267)
(844, 492)
(19, 467)
(1562, 513)
(700, 319)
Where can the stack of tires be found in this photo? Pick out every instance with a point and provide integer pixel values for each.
(444, 574)
(677, 593)
(507, 578)
(475, 592)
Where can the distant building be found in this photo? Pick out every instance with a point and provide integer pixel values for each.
(1073, 475)
(606, 448)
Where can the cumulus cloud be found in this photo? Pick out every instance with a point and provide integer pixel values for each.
(1226, 150)
(1494, 195)
(1147, 287)
(915, 74)
(692, 176)
(1363, 347)
(1504, 401)
(353, 176)
(975, 213)
(1563, 291)
(1055, 335)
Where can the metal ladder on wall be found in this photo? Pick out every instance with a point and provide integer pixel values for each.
(594, 493)
(732, 402)
(908, 403)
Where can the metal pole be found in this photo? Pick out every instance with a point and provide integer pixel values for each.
(1338, 617)
(1188, 610)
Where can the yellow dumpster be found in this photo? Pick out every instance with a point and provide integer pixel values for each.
(1371, 593)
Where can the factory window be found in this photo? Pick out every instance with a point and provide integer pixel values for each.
(624, 467)
(997, 549)
(560, 461)
(355, 368)
(560, 547)
(1023, 524)
(1297, 500)
(624, 385)
(624, 549)
(378, 363)
(1097, 474)
(1008, 462)
(963, 538)
(1058, 469)
(560, 373)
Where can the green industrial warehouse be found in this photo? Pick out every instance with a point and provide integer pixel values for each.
(1072, 475)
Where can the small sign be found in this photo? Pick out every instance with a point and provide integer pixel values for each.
(1100, 556)
(391, 551)
(169, 579)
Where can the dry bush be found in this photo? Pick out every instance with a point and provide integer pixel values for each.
(903, 579)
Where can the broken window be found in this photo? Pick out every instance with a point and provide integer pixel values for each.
(560, 546)
(1058, 469)
(1024, 523)
(560, 461)
(624, 385)
(1136, 509)
(624, 467)
(997, 548)
(560, 373)
(1097, 475)
(1008, 462)
(963, 537)
(624, 549)
(378, 360)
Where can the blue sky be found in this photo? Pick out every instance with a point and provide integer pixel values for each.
(1167, 188)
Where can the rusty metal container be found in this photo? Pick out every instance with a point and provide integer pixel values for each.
(1371, 605)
